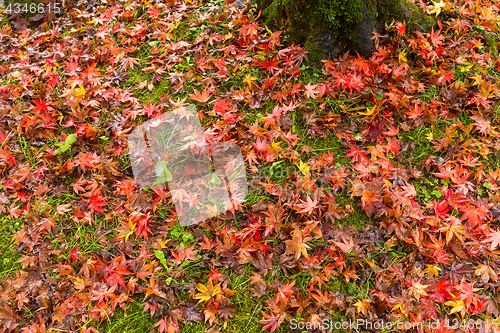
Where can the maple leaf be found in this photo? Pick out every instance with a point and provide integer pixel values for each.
(96, 203)
(256, 278)
(162, 324)
(154, 289)
(186, 254)
(347, 246)
(363, 306)
(75, 254)
(436, 38)
(432, 270)
(493, 239)
(297, 245)
(142, 223)
(401, 28)
(417, 289)
(8, 318)
(249, 80)
(125, 230)
(303, 167)
(151, 109)
(129, 62)
(487, 89)
(475, 215)
(201, 97)
(87, 161)
(445, 77)
(370, 200)
(313, 90)
(249, 31)
(284, 293)
(442, 291)
(271, 65)
(307, 207)
(455, 228)
(272, 322)
(42, 106)
(437, 7)
(207, 292)
(74, 94)
(457, 306)
(14, 211)
(483, 125)
(260, 145)
(486, 273)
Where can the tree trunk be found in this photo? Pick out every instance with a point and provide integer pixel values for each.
(329, 27)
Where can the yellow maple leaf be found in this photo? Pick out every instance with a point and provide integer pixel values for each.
(362, 306)
(457, 306)
(161, 244)
(437, 7)
(125, 230)
(249, 80)
(401, 307)
(211, 210)
(432, 270)
(304, 168)
(466, 68)
(80, 92)
(477, 79)
(402, 56)
(297, 245)
(276, 146)
(206, 292)
(370, 111)
(174, 26)
(455, 228)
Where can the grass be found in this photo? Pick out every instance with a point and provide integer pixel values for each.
(131, 320)
(8, 253)
(90, 238)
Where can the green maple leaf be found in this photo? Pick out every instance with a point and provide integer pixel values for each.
(163, 175)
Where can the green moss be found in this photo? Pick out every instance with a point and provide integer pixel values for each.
(491, 41)
(8, 253)
(305, 20)
(340, 16)
(358, 219)
(404, 10)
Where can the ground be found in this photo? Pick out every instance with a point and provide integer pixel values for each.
(372, 180)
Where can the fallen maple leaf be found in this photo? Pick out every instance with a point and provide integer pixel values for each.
(272, 322)
(297, 245)
(207, 292)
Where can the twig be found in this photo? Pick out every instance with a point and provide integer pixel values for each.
(257, 306)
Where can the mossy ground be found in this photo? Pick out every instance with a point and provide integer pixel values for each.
(305, 20)
(134, 319)
(8, 253)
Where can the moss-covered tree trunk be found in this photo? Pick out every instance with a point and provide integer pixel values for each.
(330, 27)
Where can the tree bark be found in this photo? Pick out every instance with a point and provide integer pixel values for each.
(329, 27)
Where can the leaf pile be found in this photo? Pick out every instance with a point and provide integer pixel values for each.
(69, 97)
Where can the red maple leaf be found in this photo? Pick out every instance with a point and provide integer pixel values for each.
(475, 214)
(42, 106)
(182, 255)
(272, 322)
(249, 31)
(96, 203)
(442, 291)
(201, 97)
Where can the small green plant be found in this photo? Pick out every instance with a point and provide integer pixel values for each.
(70, 139)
